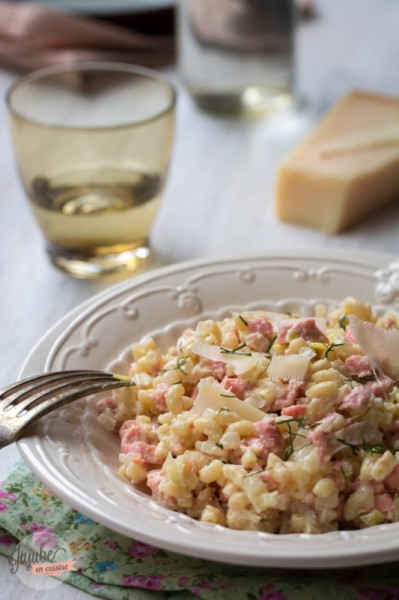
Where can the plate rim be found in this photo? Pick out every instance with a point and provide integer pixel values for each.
(382, 258)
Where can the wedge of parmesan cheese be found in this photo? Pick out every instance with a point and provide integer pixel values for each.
(346, 168)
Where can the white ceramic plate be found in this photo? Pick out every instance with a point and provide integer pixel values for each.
(71, 453)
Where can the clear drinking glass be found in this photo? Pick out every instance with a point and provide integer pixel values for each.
(236, 57)
(93, 142)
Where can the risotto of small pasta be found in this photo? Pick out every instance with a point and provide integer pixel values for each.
(264, 421)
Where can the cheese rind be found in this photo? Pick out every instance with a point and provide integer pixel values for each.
(346, 168)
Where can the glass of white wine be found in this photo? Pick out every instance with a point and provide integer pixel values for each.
(93, 143)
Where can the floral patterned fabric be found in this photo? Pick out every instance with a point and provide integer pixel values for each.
(112, 566)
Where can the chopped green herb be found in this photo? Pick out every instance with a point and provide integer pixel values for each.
(290, 448)
(181, 361)
(257, 472)
(353, 447)
(343, 322)
(264, 370)
(236, 351)
(219, 446)
(313, 425)
(363, 378)
(292, 434)
(243, 320)
(300, 435)
(373, 448)
(332, 346)
(223, 410)
(228, 396)
(271, 344)
(298, 420)
(178, 382)
(369, 448)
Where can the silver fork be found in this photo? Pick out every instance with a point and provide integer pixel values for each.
(26, 401)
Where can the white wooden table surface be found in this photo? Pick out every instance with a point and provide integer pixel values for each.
(220, 192)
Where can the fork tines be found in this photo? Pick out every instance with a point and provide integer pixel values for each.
(32, 391)
(25, 401)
